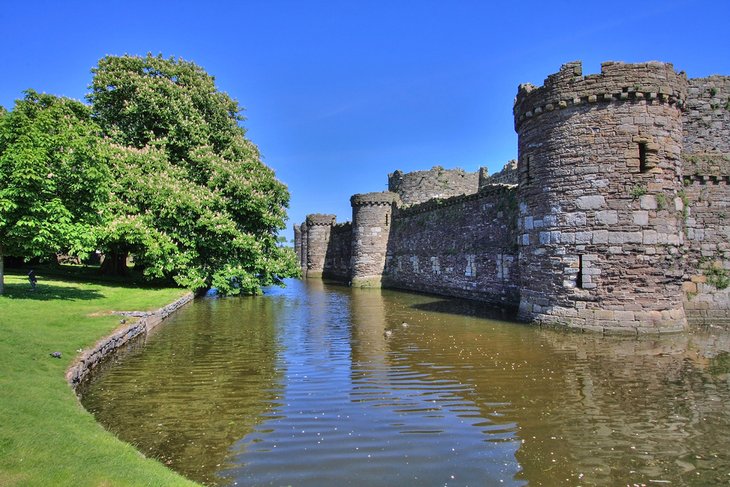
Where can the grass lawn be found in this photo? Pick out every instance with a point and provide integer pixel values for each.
(46, 437)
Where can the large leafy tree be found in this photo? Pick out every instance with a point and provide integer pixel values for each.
(53, 177)
(192, 198)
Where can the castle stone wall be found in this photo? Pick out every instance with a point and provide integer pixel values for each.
(507, 175)
(339, 253)
(707, 116)
(707, 284)
(615, 217)
(600, 210)
(420, 186)
(707, 192)
(462, 246)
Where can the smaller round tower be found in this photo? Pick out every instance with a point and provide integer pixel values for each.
(303, 249)
(319, 227)
(372, 216)
(298, 243)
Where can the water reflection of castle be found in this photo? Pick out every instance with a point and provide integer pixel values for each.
(580, 408)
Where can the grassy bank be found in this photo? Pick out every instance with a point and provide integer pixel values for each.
(46, 437)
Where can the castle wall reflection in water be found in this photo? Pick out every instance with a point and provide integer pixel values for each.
(326, 385)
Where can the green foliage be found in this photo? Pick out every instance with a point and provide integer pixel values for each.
(637, 191)
(717, 276)
(192, 199)
(54, 175)
(661, 201)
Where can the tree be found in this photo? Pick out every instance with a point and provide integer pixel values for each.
(192, 198)
(54, 176)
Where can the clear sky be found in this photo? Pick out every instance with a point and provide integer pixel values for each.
(340, 93)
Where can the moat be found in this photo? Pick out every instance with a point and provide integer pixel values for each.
(319, 384)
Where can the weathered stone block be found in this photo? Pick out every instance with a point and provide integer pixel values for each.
(607, 217)
(640, 217)
(648, 202)
(583, 237)
(649, 237)
(592, 202)
(600, 236)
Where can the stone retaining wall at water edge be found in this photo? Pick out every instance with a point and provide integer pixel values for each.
(147, 321)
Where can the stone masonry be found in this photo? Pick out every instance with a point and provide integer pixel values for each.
(614, 218)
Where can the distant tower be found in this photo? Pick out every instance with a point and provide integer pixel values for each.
(298, 243)
(319, 227)
(372, 216)
(303, 250)
(600, 217)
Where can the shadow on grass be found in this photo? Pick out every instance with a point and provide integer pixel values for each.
(49, 292)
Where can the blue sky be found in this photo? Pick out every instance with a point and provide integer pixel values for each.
(339, 94)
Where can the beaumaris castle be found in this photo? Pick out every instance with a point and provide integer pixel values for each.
(614, 218)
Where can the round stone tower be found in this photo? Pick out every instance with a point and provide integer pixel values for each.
(372, 216)
(303, 249)
(600, 206)
(298, 243)
(319, 227)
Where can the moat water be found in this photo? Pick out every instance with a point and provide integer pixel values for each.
(322, 385)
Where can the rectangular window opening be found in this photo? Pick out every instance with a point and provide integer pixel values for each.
(386, 219)
(643, 167)
(528, 172)
(579, 277)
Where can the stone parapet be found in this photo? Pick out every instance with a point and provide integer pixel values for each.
(419, 186)
(148, 320)
(320, 219)
(707, 116)
(652, 81)
(489, 191)
(377, 198)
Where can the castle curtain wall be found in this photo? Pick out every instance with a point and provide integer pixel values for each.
(463, 246)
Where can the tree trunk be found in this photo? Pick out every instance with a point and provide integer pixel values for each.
(2, 271)
(115, 264)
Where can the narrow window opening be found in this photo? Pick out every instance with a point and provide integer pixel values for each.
(642, 158)
(579, 277)
(386, 219)
(528, 172)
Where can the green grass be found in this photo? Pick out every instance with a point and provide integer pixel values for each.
(46, 437)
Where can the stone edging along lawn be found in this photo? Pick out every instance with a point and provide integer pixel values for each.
(89, 359)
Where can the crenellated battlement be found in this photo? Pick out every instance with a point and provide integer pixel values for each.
(374, 199)
(493, 191)
(321, 219)
(419, 186)
(653, 81)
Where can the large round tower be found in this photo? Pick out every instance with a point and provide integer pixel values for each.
(600, 212)
(319, 227)
(372, 216)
